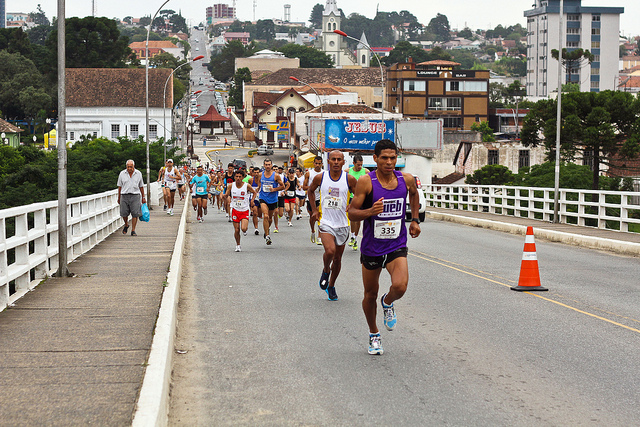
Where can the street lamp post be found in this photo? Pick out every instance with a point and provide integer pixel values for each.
(146, 91)
(556, 189)
(343, 34)
(164, 100)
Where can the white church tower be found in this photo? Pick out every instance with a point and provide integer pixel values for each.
(335, 45)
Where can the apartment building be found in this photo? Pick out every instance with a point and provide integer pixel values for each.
(595, 29)
(438, 90)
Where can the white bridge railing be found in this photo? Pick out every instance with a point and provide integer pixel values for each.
(29, 237)
(615, 210)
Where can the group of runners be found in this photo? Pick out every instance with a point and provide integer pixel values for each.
(338, 200)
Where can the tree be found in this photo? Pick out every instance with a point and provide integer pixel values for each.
(309, 56)
(595, 126)
(17, 74)
(265, 29)
(485, 130)
(316, 15)
(39, 18)
(91, 43)
(466, 33)
(178, 23)
(14, 40)
(490, 175)
(543, 175)
(235, 93)
(38, 35)
(403, 51)
(222, 65)
(144, 21)
(439, 26)
(573, 60)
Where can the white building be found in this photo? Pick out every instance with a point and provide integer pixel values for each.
(110, 103)
(595, 29)
(335, 45)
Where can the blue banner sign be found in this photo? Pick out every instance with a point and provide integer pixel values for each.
(357, 134)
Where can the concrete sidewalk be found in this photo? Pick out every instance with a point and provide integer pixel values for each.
(588, 237)
(74, 350)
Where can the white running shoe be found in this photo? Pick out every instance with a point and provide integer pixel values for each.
(289, 224)
(238, 248)
(244, 233)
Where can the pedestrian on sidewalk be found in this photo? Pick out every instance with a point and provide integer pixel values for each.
(226, 143)
(130, 190)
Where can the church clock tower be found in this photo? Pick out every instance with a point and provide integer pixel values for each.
(331, 42)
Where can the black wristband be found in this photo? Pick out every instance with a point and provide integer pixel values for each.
(416, 220)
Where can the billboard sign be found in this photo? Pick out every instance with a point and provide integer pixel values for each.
(357, 134)
(419, 134)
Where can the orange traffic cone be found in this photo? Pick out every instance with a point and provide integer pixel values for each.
(529, 273)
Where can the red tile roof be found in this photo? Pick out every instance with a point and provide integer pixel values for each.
(7, 127)
(441, 63)
(117, 87)
(334, 76)
(212, 115)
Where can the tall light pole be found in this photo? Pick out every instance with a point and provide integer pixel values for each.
(343, 34)
(556, 192)
(146, 91)
(61, 144)
(164, 101)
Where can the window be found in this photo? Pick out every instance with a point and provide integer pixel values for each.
(493, 157)
(134, 131)
(364, 59)
(452, 122)
(595, 85)
(573, 44)
(596, 58)
(573, 30)
(595, 71)
(587, 158)
(95, 134)
(115, 131)
(595, 31)
(573, 17)
(415, 85)
(466, 86)
(595, 18)
(153, 131)
(72, 136)
(523, 159)
(445, 104)
(453, 86)
(595, 45)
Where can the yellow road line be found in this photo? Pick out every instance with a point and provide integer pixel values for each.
(448, 264)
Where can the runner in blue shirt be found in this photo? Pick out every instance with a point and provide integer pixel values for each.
(202, 183)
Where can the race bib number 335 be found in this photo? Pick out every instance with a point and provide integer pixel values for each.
(387, 229)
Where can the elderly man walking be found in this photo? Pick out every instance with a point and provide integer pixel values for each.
(130, 188)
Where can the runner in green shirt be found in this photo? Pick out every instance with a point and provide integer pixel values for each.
(356, 171)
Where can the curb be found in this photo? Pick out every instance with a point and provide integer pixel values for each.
(591, 242)
(152, 407)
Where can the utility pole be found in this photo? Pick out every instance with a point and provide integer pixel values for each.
(556, 190)
(62, 145)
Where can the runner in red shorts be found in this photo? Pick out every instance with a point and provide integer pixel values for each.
(240, 195)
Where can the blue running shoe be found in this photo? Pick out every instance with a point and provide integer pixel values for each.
(324, 281)
(331, 292)
(389, 314)
(375, 344)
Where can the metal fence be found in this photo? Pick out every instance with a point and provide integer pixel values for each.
(614, 210)
(29, 238)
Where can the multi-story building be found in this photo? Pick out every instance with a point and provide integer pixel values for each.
(595, 29)
(220, 12)
(2, 14)
(437, 89)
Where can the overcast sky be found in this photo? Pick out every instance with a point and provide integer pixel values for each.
(473, 13)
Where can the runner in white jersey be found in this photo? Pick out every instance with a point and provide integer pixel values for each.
(308, 178)
(181, 186)
(301, 195)
(171, 177)
(334, 185)
(240, 196)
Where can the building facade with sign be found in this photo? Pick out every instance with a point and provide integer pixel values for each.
(438, 90)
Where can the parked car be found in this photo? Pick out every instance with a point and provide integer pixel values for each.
(265, 150)
(423, 201)
(239, 164)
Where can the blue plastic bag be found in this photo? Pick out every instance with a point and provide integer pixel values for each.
(145, 213)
